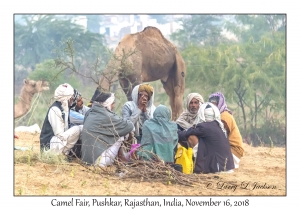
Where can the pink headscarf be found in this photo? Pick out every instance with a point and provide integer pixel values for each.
(221, 104)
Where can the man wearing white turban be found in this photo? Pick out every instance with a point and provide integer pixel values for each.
(188, 117)
(56, 134)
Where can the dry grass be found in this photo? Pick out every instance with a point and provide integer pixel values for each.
(36, 175)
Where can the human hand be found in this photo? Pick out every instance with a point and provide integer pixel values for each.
(142, 107)
(193, 140)
(143, 104)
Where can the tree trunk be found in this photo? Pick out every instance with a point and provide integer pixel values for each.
(240, 94)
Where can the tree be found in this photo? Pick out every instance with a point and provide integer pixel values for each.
(247, 27)
(199, 30)
(29, 45)
(266, 96)
(93, 23)
(251, 76)
(49, 72)
(35, 40)
(66, 61)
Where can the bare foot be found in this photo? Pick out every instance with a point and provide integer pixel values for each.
(121, 155)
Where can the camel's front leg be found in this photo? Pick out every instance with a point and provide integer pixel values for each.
(125, 84)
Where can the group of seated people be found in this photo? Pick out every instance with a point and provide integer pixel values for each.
(98, 135)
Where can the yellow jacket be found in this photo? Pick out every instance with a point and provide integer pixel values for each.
(235, 138)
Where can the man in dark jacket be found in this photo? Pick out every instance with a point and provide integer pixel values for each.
(103, 132)
(210, 147)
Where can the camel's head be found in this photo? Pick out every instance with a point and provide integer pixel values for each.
(35, 86)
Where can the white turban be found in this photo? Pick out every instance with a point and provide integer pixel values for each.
(107, 104)
(187, 119)
(196, 96)
(210, 114)
(62, 94)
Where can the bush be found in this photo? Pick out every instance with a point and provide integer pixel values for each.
(270, 133)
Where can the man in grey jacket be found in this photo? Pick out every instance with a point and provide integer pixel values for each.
(103, 132)
(140, 109)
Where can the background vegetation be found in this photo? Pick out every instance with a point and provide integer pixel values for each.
(250, 68)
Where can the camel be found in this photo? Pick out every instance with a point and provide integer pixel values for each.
(30, 87)
(147, 56)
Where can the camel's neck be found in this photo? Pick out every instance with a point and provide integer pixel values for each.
(26, 98)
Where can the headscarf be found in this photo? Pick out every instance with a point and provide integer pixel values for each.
(186, 119)
(210, 114)
(96, 93)
(107, 104)
(62, 94)
(76, 96)
(221, 104)
(147, 88)
(135, 97)
(160, 134)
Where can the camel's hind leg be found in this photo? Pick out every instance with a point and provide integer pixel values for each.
(174, 87)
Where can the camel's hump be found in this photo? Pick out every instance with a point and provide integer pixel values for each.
(149, 33)
(151, 29)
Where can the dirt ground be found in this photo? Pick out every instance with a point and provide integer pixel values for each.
(262, 171)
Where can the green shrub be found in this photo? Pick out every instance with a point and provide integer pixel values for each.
(271, 129)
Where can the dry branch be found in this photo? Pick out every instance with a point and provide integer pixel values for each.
(150, 171)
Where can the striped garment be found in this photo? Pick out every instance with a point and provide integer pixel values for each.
(221, 101)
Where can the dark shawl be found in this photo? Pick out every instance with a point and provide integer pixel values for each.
(214, 154)
(101, 129)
